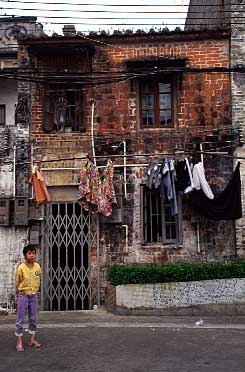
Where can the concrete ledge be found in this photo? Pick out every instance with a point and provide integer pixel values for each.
(209, 297)
(194, 310)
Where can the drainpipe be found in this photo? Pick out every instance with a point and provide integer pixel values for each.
(32, 189)
(124, 168)
(14, 172)
(201, 153)
(92, 130)
(126, 237)
(198, 238)
(198, 224)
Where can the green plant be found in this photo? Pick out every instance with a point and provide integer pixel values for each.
(180, 272)
(68, 124)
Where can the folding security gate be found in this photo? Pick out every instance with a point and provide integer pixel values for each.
(68, 233)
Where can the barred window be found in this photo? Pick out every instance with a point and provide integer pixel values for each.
(63, 110)
(2, 114)
(158, 224)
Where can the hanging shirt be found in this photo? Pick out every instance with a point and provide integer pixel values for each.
(182, 175)
(174, 205)
(168, 184)
(153, 175)
(191, 187)
(184, 180)
(226, 206)
(40, 188)
(200, 182)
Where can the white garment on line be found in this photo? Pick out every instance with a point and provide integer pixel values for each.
(200, 182)
(191, 187)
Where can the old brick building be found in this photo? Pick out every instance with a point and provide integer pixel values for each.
(228, 14)
(133, 98)
(14, 142)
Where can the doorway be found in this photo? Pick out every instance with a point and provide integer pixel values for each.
(68, 234)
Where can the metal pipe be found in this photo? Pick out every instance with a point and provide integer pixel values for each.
(92, 131)
(124, 168)
(201, 153)
(32, 188)
(100, 166)
(14, 172)
(126, 237)
(198, 238)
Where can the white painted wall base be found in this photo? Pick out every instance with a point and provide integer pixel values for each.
(180, 294)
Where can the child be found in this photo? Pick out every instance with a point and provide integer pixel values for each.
(27, 283)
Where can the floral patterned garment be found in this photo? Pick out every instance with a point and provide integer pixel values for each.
(107, 196)
(84, 186)
(96, 192)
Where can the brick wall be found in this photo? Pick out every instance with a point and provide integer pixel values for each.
(238, 103)
(203, 106)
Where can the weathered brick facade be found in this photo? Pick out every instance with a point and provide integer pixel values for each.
(203, 109)
(14, 146)
(227, 14)
(238, 100)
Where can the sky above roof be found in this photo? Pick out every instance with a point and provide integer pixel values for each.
(97, 15)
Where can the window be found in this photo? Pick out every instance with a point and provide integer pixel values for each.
(63, 111)
(158, 224)
(156, 102)
(2, 114)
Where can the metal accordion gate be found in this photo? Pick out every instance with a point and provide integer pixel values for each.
(68, 234)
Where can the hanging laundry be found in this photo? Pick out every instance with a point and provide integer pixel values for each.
(199, 180)
(89, 187)
(166, 184)
(40, 188)
(191, 187)
(174, 205)
(182, 175)
(167, 172)
(153, 175)
(96, 190)
(226, 206)
(184, 180)
(107, 196)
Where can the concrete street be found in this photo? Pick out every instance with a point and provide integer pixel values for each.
(96, 341)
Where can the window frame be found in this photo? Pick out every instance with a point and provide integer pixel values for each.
(156, 101)
(3, 107)
(50, 96)
(144, 222)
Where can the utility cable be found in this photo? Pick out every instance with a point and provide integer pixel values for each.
(117, 5)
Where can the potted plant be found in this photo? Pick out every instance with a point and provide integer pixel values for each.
(68, 126)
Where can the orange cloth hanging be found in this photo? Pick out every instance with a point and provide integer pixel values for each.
(39, 186)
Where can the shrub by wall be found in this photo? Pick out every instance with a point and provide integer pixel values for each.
(182, 272)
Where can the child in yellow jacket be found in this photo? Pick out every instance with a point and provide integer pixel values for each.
(27, 283)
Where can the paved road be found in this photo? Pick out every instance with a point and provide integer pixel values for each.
(133, 344)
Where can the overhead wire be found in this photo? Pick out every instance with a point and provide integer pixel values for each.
(124, 24)
(117, 11)
(116, 5)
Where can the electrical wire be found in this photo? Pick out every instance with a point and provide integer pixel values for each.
(116, 11)
(116, 5)
(124, 24)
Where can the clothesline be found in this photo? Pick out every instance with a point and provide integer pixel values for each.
(177, 152)
(98, 166)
